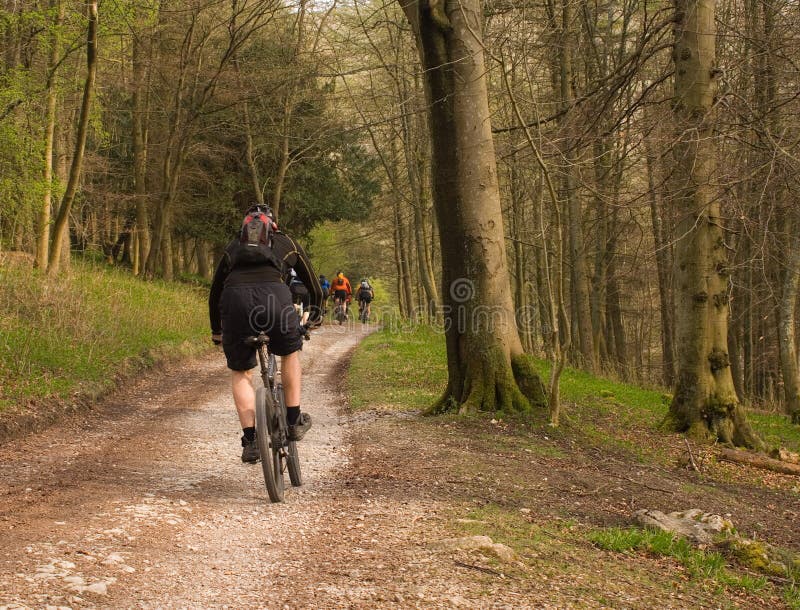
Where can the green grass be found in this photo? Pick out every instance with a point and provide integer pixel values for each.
(792, 596)
(77, 332)
(402, 369)
(776, 430)
(699, 564)
(405, 369)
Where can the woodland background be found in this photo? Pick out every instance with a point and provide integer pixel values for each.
(197, 106)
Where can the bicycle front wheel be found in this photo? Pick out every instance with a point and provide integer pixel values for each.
(292, 457)
(270, 460)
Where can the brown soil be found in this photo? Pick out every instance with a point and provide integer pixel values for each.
(144, 503)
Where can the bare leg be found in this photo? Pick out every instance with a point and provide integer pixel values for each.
(291, 378)
(244, 396)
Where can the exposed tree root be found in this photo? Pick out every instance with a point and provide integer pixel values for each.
(490, 384)
(709, 418)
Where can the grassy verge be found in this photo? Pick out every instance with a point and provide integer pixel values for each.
(402, 369)
(406, 369)
(551, 494)
(76, 334)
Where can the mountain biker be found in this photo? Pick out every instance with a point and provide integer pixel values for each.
(248, 295)
(341, 290)
(365, 295)
(326, 289)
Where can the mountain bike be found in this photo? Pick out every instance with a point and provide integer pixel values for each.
(339, 313)
(363, 312)
(278, 453)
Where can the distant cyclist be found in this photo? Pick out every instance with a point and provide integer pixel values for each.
(326, 290)
(365, 295)
(342, 291)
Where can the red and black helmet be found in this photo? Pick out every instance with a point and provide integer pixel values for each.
(264, 214)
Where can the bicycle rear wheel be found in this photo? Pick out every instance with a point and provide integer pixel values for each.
(270, 458)
(292, 456)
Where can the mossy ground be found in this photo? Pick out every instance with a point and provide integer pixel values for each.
(564, 498)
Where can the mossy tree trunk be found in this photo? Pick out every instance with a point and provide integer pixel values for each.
(487, 369)
(705, 401)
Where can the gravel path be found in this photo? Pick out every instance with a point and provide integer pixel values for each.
(145, 503)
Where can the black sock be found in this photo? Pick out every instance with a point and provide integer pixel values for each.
(292, 415)
(249, 433)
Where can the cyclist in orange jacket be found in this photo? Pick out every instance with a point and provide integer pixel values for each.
(342, 291)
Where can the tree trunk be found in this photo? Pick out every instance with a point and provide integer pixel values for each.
(167, 256)
(139, 125)
(43, 243)
(405, 297)
(487, 369)
(579, 284)
(417, 157)
(786, 331)
(614, 305)
(60, 230)
(201, 254)
(705, 401)
(663, 264)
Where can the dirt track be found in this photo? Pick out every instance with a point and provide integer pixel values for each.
(145, 503)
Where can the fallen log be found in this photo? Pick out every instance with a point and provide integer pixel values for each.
(758, 460)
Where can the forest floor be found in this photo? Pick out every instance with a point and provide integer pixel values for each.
(143, 502)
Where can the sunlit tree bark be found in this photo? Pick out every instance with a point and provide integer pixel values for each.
(705, 401)
(487, 369)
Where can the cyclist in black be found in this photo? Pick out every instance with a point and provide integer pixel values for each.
(365, 296)
(249, 294)
(301, 297)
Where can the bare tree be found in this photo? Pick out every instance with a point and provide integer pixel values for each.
(487, 369)
(705, 400)
(60, 229)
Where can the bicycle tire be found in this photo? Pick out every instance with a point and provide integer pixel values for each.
(292, 455)
(270, 459)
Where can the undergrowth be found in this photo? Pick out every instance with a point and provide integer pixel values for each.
(74, 334)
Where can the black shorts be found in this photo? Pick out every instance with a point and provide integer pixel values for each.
(246, 310)
(341, 295)
(304, 300)
(301, 296)
(365, 297)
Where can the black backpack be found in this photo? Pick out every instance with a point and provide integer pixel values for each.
(255, 243)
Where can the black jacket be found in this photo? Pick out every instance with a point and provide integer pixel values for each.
(290, 255)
